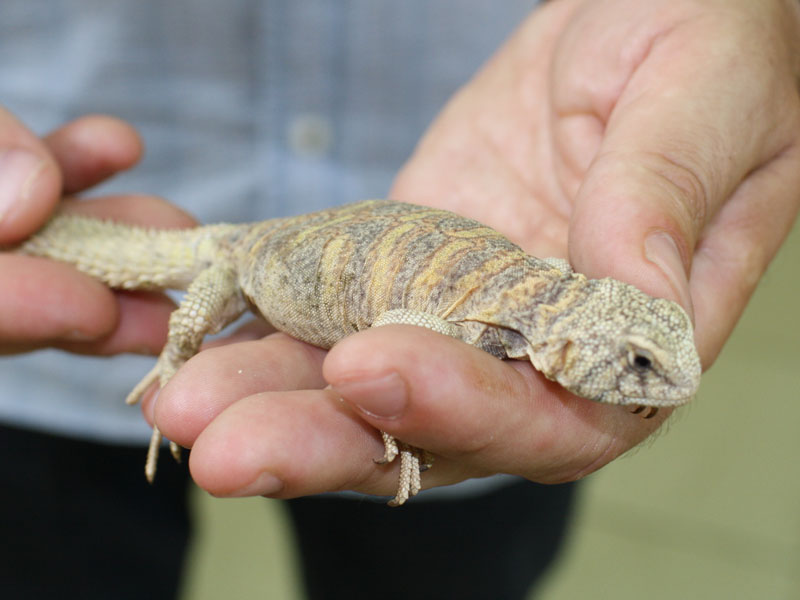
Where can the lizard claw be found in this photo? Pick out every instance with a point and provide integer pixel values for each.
(155, 439)
(175, 451)
(640, 410)
(151, 463)
(390, 449)
(152, 455)
(413, 461)
(137, 392)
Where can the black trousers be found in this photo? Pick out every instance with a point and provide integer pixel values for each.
(78, 520)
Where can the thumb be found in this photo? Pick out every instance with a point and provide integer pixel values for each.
(30, 180)
(674, 151)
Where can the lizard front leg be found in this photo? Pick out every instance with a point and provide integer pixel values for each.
(211, 302)
(413, 460)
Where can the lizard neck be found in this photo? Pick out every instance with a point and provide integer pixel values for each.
(527, 315)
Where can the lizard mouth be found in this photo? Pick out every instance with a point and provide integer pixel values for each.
(634, 402)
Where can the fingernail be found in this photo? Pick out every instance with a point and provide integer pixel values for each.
(19, 170)
(660, 249)
(266, 484)
(385, 397)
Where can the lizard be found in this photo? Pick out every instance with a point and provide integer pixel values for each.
(325, 275)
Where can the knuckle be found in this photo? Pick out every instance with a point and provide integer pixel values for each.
(689, 190)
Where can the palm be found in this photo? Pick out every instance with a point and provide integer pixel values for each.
(502, 154)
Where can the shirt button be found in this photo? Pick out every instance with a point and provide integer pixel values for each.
(310, 136)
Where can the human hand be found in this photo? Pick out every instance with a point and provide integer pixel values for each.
(45, 303)
(601, 123)
(653, 142)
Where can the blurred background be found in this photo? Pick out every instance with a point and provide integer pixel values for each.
(709, 509)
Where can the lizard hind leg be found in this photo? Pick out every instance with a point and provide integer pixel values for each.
(211, 302)
(413, 460)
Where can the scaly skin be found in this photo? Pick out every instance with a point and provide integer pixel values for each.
(322, 276)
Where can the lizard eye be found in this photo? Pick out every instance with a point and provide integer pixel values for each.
(640, 359)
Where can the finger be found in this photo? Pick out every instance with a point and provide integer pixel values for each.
(299, 443)
(92, 148)
(46, 303)
(30, 180)
(737, 247)
(252, 330)
(673, 149)
(218, 377)
(496, 416)
(289, 444)
(135, 323)
(140, 328)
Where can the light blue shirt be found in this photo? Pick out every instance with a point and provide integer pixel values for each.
(249, 109)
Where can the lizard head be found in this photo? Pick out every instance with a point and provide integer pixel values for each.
(613, 343)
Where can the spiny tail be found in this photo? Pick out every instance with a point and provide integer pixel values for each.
(123, 256)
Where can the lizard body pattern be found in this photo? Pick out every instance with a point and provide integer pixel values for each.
(322, 276)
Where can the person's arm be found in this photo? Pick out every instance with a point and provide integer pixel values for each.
(656, 142)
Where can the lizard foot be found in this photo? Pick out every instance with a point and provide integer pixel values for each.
(155, 438)
(413, 461)
(137, 392)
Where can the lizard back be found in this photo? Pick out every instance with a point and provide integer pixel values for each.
(325, 275)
